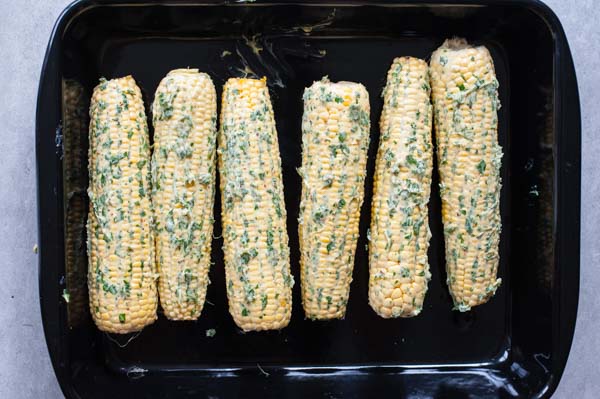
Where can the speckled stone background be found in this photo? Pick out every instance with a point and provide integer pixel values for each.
(25, 370)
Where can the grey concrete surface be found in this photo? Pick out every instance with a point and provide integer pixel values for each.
(25, 370)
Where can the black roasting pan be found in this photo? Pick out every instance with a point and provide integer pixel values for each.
(514, 346)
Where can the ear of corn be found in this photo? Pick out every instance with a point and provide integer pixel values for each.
(399, 233)
(75, 125)
(121, 272)
(183, 175)
(257, 266)
(465, 100)
(335, 140)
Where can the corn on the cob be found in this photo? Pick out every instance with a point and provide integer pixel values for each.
(465, 102)
(399, 234)
(121, 271)
(257, 265)
(183, 177)
(335, 140)
(75, 125)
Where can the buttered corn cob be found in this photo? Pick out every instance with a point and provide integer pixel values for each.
(465, 101)
(183, 177)
(121, 272)
(257, 265)
(399, 233)
(335, 139)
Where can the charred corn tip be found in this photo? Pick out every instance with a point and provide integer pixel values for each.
(183, 175)
(465, 99)
(121, 269)
(399, 232)
(257, 266)
(335, 139)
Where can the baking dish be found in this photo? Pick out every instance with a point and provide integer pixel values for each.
(515, 346)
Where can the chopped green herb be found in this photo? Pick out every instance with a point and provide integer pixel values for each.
(103, 83)
(481, 166)
(245, 257)
(211, 332)
(330, 246)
